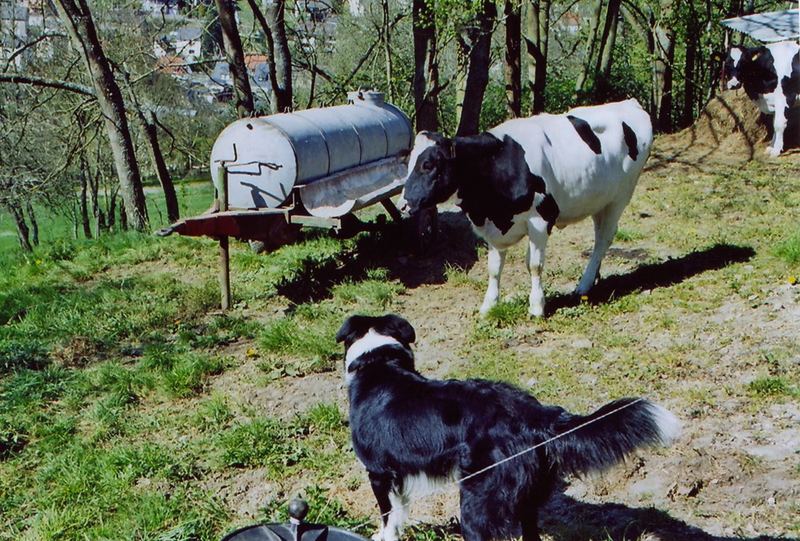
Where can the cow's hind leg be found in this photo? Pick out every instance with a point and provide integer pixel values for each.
(497, 258)
(537, 242)
(605, 227)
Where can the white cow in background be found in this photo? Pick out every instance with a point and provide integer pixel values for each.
(771, 77)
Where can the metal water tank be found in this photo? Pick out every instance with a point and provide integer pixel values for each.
(268, 156)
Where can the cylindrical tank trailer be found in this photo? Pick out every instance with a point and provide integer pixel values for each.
(267, 157)
(274, 174)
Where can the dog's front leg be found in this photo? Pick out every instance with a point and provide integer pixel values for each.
(392, 506)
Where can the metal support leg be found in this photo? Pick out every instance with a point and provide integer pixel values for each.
(224, 255)
(224, 273)
(392, 210)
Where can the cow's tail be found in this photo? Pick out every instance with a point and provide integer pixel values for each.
(601, 439)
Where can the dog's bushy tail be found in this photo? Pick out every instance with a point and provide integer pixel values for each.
(615, 431)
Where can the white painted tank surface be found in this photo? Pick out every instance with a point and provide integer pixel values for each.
(268, 156)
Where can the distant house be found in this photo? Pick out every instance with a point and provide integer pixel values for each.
(257, 70)
(570, 21)
(161, 47)
(221, 74)
(315, 11)
(13, 31)
(172, 65)
(187, 42)
(356, 8)
(168, 8)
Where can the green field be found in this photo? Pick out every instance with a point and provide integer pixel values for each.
(132, 408)
(193, 199)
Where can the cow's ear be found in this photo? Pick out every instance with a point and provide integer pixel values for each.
(718, 56)
(757, 52)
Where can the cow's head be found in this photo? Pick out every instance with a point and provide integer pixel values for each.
(734, 62)
(430, 178)
(753, 68)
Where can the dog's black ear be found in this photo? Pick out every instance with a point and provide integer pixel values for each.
(345, 330)
(353, 328)
(397, 327)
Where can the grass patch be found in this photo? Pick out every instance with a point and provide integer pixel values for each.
(771, 386)
(221, 330)
(16, 354)
(789, 249)
(459, 276)
(213, 413)
(508, 312)
(189, 375)
(307, 339)
(313, 440)
(262, 442)
(627, 235)
(376, 290)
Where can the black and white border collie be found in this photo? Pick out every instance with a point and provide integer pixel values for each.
(413, 434)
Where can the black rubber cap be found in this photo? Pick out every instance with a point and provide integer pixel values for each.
(298, 509)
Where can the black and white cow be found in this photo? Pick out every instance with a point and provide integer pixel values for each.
(771, 77)
(527, 175)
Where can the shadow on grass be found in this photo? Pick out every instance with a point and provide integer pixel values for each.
(652, 275)
(392, 248)
(566, 519)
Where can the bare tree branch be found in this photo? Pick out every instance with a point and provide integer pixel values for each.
(24, 47)
(43, 81)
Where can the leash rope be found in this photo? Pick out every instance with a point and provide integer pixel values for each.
(511, 457)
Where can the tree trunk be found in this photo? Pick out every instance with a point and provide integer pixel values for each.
(94, 190)
(478, 70)
(123, 219)
(77, 18)
(426, 70)
(280, 59)
(513, 57)
(663, 77)
(34, 223)
(84, 203)
(387, 48)
(245, 105)
(111, 212)
(462, 66)
(594, 24)
(692, 44)
(604, 55)
(645, 28)
(149, 125)
(23, 233)
(536, 43)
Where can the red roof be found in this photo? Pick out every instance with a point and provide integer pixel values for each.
(253, 60)
(173, 65)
